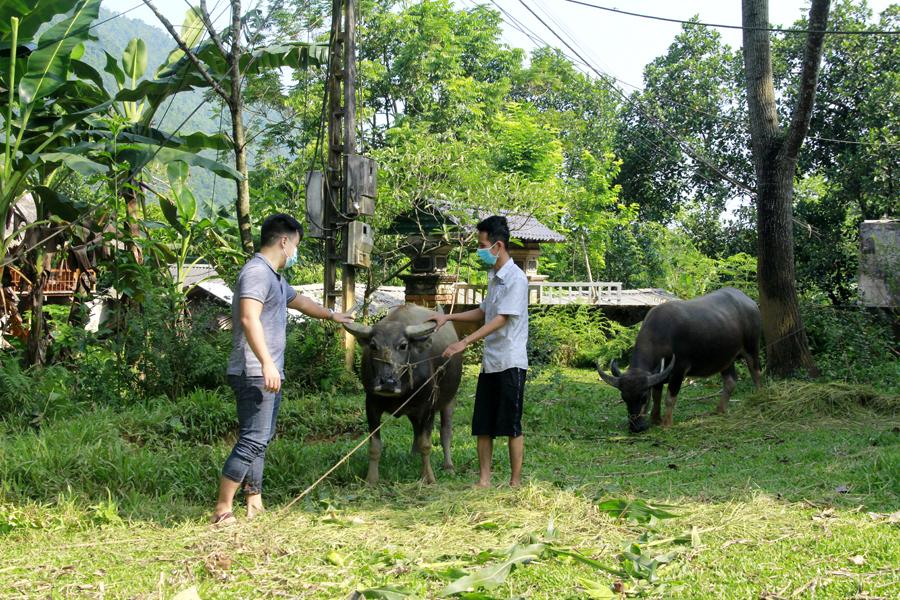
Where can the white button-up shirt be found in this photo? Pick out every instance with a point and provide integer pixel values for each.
(507, 294)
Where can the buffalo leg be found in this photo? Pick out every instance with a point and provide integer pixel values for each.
(447, 436)
(729, 381)
(415, 441)
(655, 417)
(674, 387)
(422, 428)
(373, 415)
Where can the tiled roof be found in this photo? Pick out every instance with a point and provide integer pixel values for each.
(434, 215)
(528, 228)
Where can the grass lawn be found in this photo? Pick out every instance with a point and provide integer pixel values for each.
(791, 497)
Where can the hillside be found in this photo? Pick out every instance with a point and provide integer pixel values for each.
(113, 37)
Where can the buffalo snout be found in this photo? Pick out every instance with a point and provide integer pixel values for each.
(388, 385)
(638, 424)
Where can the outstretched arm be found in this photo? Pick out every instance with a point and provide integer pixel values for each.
(314, 309)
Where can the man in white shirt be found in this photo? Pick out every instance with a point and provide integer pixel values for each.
(501, 383)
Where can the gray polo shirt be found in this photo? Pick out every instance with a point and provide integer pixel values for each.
(260, 281)
(507, 294)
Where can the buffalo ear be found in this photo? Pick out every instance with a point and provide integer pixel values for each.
(611, 380)
(417, 333)
(360, 332)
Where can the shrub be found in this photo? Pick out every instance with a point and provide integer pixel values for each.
(851, 343)
(574, 335)
(29, 396)
(314, 357)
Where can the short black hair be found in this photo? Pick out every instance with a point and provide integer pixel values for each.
(278, 225)
(496, 228)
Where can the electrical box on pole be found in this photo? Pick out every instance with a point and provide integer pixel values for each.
(361, 173)
(359, 244)
(315, 204)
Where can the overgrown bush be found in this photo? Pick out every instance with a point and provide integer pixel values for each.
(171, 350)
(851, 343)
(314, 357)
(28, 396)
(574, 335)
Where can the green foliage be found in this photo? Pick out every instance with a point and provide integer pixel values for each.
(851, 343)
(635, 509)
(524, 146)
(314, 357)
(572, 335)
(29, 396)
(695, 89)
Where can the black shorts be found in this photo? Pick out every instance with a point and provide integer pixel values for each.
(498, 403)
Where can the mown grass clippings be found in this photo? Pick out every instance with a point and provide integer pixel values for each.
(754, 496)
(793, 399)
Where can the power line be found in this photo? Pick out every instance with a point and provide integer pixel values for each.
(538, 41)
(87, 28)
(685, 147)
(741, 27)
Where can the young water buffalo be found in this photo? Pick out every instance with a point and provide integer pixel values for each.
(400, 354)
(699, 337)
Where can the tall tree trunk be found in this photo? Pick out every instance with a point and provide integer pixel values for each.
(242, 202)
(132, 209)
(775, 153)
(36, 346)
(236, 106)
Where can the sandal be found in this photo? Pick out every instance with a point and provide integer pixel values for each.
(226, 518)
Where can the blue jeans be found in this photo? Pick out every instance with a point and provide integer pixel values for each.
(257, 410)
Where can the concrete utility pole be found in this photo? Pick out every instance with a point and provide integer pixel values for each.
(350, 179)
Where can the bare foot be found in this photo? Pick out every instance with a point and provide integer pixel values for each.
(254, 511)
(514, 483)
(483, 485)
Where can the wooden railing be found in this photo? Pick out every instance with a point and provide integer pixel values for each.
(551, 292)
(60, 282)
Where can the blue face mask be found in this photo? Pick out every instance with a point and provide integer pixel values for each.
(486, 257)
(290, 260)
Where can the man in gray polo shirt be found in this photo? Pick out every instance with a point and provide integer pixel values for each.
(501, 383)
(256, 365)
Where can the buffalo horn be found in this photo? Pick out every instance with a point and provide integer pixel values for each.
(362, 332)
(611, 380)
(418, 332)
(663, 374)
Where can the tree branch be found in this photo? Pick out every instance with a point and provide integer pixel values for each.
(207, 21)
(189, 53)
(812, 58)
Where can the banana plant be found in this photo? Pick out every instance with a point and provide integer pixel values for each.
(34, 76)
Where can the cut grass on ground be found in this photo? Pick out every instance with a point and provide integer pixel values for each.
(794, 494)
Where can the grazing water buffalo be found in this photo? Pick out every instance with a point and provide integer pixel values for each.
(699, 337)
(400, 353)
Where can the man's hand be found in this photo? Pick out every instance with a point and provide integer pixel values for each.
(342, 317)
(438, 318)
(271, 377)
(455, 348)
